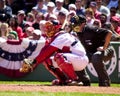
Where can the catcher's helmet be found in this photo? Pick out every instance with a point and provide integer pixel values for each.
(52, 27)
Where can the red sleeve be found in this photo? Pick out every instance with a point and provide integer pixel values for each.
(45, 53)
(19, 32)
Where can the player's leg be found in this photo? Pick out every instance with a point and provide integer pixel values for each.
(84, 77)
(57, 72)
(97, 61)
(78, 63)
(65, 66)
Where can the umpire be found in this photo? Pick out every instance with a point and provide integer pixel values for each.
(96, 42)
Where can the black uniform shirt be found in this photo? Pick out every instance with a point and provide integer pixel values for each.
(92, 38)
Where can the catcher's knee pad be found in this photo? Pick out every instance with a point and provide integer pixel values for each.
(65, 66)
(55, 71)
(60, 58)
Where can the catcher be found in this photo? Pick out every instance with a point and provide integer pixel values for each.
(65, 50)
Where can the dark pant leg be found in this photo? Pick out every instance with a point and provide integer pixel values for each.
(97, 61)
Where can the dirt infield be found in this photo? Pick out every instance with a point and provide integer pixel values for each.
(45, 88)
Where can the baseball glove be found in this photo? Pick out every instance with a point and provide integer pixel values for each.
(27, 66)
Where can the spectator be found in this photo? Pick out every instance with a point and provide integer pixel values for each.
(36, 35)
(93, 6)
(72, 7)
(34, 11)
(67, 28)
(29, 4)
(59, 7)
(39, 17)
(105, 3)
(27, 24)
(115, 21)
(113, 3)
(21, 19)
(28, 32)
(12, 35)
(86, 3)
(79, 8)
(67, 2)
(52, 17)
(115, 36)
(97, 23)
(103, 19)
(4, 29)
(16, 5)
(89, 14)
(5, 11)
(13, 23)
(41, 7)
(118, 9)
(30, 17)
(62, 18)
(70, 14)
(42, 28)
(113, 12)
(101, 8)
(50, 8)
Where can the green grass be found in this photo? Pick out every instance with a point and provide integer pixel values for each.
(52, 94)
(12, 93)
(45, 83)
(25, 82)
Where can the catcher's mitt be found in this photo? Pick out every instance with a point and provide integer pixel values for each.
(26, 66)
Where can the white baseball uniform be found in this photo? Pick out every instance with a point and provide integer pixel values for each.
(77, 55)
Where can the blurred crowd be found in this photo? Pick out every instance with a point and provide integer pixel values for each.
(25, 16)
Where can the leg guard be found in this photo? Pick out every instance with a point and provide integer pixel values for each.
(65, 66)
(100, 68)
(55, 71)
(83, 77)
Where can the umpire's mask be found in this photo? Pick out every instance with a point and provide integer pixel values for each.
(76, 21)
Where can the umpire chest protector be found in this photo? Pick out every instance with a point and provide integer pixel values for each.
(92, 38)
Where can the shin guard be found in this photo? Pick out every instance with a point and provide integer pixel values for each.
(55, 71)
(65, 66)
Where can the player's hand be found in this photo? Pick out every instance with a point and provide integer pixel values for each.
(26, 66)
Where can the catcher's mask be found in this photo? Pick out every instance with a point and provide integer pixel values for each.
(52, 27)
(76, 21)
